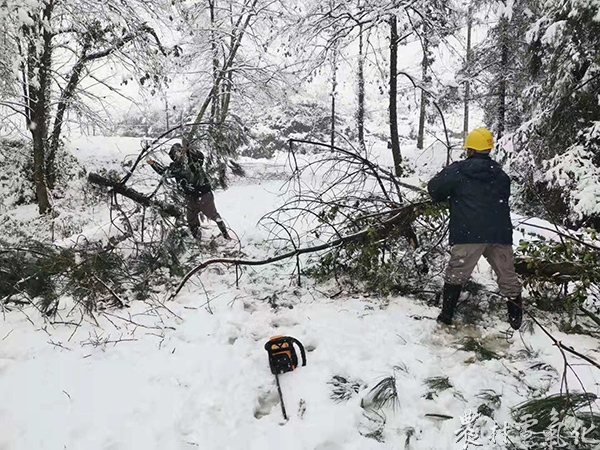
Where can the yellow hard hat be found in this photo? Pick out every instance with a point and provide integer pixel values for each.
(480, 139)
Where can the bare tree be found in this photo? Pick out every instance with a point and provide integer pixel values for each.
(45, 33)
(223, 70)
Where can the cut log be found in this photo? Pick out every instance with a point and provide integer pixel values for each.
(138, 197)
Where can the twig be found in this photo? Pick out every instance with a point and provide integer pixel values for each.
(117, 298)
(58, 344)
(560, 345)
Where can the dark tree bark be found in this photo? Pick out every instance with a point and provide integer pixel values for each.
(134, 195)
(215, 103)
(393, 111)
(557, 272)
(333, 94)
(67, 94)
(360, 113)
(63, 104)
(502, 83)
(468, 62)
(38, 83)
(425, 78)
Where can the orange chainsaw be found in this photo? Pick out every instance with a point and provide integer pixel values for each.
(283, 358)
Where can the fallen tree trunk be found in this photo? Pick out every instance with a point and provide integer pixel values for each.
(144, 200)
(559, 272)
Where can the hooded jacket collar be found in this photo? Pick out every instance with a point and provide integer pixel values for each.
(478, 155)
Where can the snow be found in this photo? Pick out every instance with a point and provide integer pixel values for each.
(190, 374)
(553, 32)
(575, 169)
(202, 383)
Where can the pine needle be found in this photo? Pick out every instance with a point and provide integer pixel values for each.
(470, 344)
(343, 389)
(438, 384)
(541, 409)
(382, 394)
(490, 397)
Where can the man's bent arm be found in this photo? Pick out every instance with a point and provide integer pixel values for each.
(158, 168)
(440, 187)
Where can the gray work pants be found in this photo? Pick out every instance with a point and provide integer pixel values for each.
(204, 204)
(464, 259)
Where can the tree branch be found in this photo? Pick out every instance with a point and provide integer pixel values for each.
(134, 195)
(399, 216)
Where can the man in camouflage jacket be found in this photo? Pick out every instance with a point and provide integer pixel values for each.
(188, 171)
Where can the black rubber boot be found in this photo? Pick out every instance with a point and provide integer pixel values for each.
(451, 294)
(223, 229)
(515, 312)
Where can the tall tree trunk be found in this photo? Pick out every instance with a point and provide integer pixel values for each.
(65, 98)
(360, 113)
(333, 95)
(214, 107)
(393, 94)
(468, 73)
(502, 84)
(39, 65)
(25, 84)
(425, 80)
(227, 85)
(167, 122)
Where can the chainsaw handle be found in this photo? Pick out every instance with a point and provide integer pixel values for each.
(302, 352)
(278, 346)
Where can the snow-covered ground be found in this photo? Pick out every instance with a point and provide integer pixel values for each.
(193, 372)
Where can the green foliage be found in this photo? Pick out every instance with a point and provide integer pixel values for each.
(16, 173)
(95, 280)
(438, 384)
(219, 143)
(95, 276)
(541, 409)
(383, 261)
(30, 272)
(580, 266)
(43, 273)
(563, 414)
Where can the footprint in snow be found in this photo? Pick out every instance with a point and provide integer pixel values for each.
(266, 402)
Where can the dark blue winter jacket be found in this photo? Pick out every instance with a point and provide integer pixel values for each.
(478, 190)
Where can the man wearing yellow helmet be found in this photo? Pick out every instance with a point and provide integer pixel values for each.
(478, 190)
